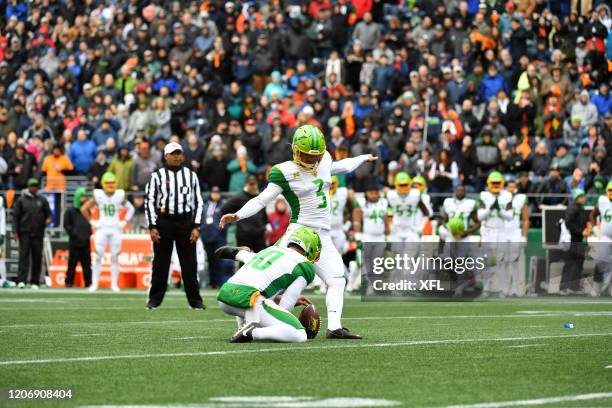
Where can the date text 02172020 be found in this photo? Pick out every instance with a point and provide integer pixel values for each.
(37, 394)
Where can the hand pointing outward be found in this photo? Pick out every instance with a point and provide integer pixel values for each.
(228, 219)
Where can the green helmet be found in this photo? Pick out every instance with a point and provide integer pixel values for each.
(308, 139)
(108, 177)
(609, 186)
(419, 183)
(402, 178)
(456, 226)
(495, 182)
(307, 239)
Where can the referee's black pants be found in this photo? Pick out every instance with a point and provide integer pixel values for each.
(174, 231)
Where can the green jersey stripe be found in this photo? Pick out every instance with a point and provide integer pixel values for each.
(283, 315)
(276, 176)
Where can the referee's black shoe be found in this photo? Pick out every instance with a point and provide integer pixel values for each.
(151, 306)
(198, 306)
(245, 334)
(229, 252)
(343, 334)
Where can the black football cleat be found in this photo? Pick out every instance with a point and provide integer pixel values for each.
(244, 334)
(229, 252)
(342, 334)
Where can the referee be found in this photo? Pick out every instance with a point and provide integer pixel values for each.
(173, 207)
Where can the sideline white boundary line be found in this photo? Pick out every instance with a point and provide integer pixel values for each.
(294, 348)
(538, 401)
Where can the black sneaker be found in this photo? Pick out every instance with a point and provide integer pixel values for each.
(151, 307)
(342, 333)
(244, 334)
(229, 252)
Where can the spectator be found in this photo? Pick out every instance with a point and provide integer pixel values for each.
(563, 160)
(31, 215)
(213, 237)
(250, 231)
(603, 100)
(552, 191)
(367, 33)
(143, 166)
(442, 175)
(121, 166)
(82, 153)
(20, 168)
(55, 167)
(240, 168)
(585, 109)
(541, 160)
(488, 158)
(215, 169)
(365, 171)
(103, 133)
(99, 168)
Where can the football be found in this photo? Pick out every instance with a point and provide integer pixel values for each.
(311, 320)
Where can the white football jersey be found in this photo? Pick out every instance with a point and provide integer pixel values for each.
(404, 209)
(494, 220)
(108, 207)
(306, 191)
(373, 215)
(518, 202)
(273, 270)
(338, 203)
(419, 218)
(455, 208)
(605, 213)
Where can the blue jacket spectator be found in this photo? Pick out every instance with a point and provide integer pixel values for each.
(492, 83)
(602, 100)
(105, 131)
(82, 153)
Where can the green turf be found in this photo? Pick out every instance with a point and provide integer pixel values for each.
(422, 354)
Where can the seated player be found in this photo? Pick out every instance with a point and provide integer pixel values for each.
(249, 293)
(109, 201)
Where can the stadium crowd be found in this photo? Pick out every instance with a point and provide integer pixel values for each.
(450, 90)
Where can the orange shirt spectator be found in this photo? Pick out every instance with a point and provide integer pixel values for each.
(54, 166)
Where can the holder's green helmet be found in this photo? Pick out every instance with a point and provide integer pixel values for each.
(308, 140)
(495, 182)
(307, 239)
(456, 226)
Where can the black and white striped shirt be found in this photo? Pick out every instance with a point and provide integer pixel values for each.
(173, 192)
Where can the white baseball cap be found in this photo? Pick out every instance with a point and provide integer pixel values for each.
(172, 147)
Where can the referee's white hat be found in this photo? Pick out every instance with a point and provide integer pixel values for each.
(172, 147)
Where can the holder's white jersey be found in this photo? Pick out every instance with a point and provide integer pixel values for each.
(605, 213)
(273, 269)
(338, 203)
(404, 208)
(108, 206)
(373, 215)
(455, 208)
(518, 202)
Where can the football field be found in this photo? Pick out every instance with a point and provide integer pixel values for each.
(111, 351)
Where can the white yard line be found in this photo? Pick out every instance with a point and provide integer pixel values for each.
(192, 338)
(87, 334)
(294, 348)
(539, 401)
(526, 345)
